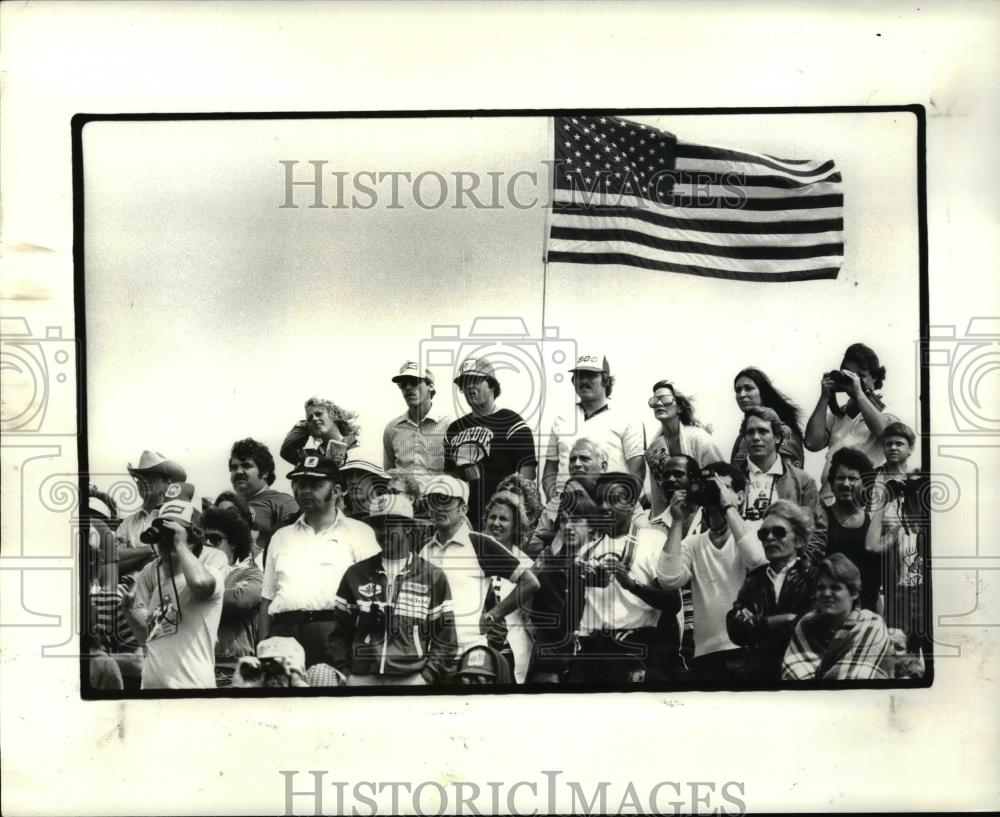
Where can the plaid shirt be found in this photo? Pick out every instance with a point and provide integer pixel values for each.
(858, 650)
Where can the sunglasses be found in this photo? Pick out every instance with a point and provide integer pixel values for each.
(666, 400)
(778, 532)
(214, 539)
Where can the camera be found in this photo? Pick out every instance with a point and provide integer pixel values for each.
(703, 490)
(157, 534)
(841, 382)
(908, 488)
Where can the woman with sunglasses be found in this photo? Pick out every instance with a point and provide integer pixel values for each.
(754, 388)
(227, 531)
(679, 433)
(775, 594)
(837, 640)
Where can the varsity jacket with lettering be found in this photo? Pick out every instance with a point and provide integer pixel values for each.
(398, 630)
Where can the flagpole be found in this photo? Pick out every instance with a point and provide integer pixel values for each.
(550, 150)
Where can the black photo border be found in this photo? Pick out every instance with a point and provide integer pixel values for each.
(80, 120)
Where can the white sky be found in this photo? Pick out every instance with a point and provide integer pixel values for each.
(212, 313)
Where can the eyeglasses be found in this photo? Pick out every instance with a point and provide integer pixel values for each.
(778, 532)
(214, 539)
(665, 400)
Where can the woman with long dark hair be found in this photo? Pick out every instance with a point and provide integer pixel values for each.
(754, 388)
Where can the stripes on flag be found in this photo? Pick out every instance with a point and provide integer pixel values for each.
(627, 193)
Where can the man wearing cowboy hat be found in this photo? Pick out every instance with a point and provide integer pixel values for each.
(413, 442)
(307, 559)
(152, 476)
(487, 444)
(394, 623)
(594, 417)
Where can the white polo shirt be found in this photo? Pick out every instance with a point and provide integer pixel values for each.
(467, 578)
(613, 607)
(623, 437)
(304, 566)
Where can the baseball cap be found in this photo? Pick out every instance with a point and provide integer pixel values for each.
(475, 367)
(447, 486)
(389, 506)
(178, 504)
(364, 465)
(478, 660)
(591, 361)
(315, 465)
(412, 369)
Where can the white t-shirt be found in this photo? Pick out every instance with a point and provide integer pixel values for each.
(180, 649)
(613, 607)
(716, 575)
(304, 566)
(621, 436)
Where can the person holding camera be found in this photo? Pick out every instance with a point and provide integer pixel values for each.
(769, 477)
(176, 604)
(715, 562)
(859, 423)
(152, 476)
(774, 595)
(620, 640)
(394, 624)
(307, 559)
(327, 428)
(899, 532)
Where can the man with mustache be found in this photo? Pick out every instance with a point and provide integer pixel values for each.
(594, 417)
(413, 442)
(251, 472)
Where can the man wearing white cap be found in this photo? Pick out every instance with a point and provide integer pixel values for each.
(595, 418)
(176, 604)
(394, 623)
(413, 442)
(488, 444)
(363, 482)
(152, 476)
(471, 560)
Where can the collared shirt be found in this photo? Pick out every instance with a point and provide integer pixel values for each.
(613, 607)
(304, 566)
(132, 525)
(416, 448)
(470, 570)
(623, 437)
(761, 491)
(778, 579)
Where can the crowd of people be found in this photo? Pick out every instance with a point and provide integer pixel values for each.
(456, 560)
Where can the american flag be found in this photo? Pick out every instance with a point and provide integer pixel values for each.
(627, 193)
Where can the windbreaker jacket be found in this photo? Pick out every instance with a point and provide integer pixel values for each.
(766, 644)
(411, 630)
